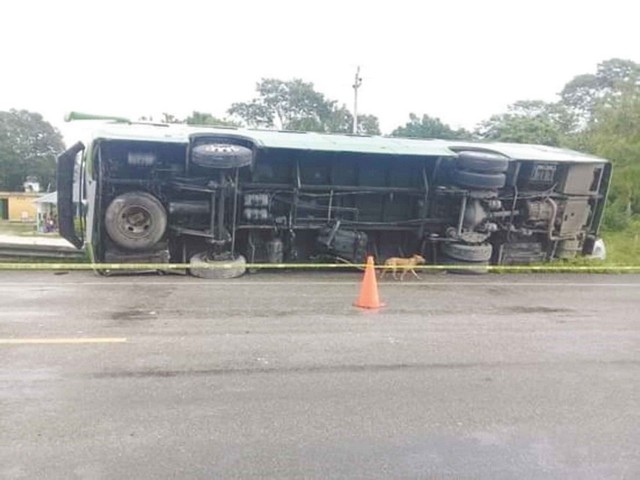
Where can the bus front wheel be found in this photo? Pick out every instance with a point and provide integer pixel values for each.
(135, 220)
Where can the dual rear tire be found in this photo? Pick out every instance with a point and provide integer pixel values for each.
(480, 170)
(474, 170)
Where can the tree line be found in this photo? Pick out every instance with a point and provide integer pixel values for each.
(29, 146)
(597, 112)
(287, 105)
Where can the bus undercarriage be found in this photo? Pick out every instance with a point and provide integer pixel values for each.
(223, 198)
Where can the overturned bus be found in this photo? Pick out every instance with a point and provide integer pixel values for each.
(208, 197)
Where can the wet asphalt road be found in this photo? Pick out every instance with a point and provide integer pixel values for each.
(278, 376)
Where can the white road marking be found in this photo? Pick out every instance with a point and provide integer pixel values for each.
(58, 341)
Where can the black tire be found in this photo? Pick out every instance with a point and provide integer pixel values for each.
(203, 267)
(483, 181)
(461, 267)
(468, 253)
(135, 220)
(484, 162)
(221, 155)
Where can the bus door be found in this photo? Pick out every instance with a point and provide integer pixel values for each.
(67, 208)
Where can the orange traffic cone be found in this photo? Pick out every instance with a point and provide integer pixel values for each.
(369, 290)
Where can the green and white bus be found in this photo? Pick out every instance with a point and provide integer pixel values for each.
(159, 194)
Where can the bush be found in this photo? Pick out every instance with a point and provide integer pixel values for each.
(616, 217)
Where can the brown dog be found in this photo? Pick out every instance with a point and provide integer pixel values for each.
(393, 264)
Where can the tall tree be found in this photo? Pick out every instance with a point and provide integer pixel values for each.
(586, 92)
(368, 125)
(341, 121)
(296, 105)
(528, 121)
(286, 105)
(429, 127)
(615, 134)
(28, 147)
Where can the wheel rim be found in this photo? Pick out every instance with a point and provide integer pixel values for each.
(135, 221)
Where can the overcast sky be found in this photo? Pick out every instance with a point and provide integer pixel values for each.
(459, 60)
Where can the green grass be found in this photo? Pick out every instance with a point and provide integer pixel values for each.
(623, 248)
(22, 229)
(35, 261)
(17, 228)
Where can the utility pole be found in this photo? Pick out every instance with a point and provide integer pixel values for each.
(356, 85)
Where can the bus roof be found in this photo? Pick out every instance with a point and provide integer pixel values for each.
(312, 141)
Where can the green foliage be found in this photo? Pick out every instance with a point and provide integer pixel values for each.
(253, 113)
(616, 216)
(28, 147)
(615, 134)
(585, 93)
(17, 228)
(341, 121)
(623, 246)
(287, 105)
(528, 121)
(200, 118)
(368, 125)
(429, 127)
(296, 105)
(197, 118)
(570, 121)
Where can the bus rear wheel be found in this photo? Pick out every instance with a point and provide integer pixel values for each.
(467, 259)
(482, 181)
(468, 253)
(482, 162)
(460, 267)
